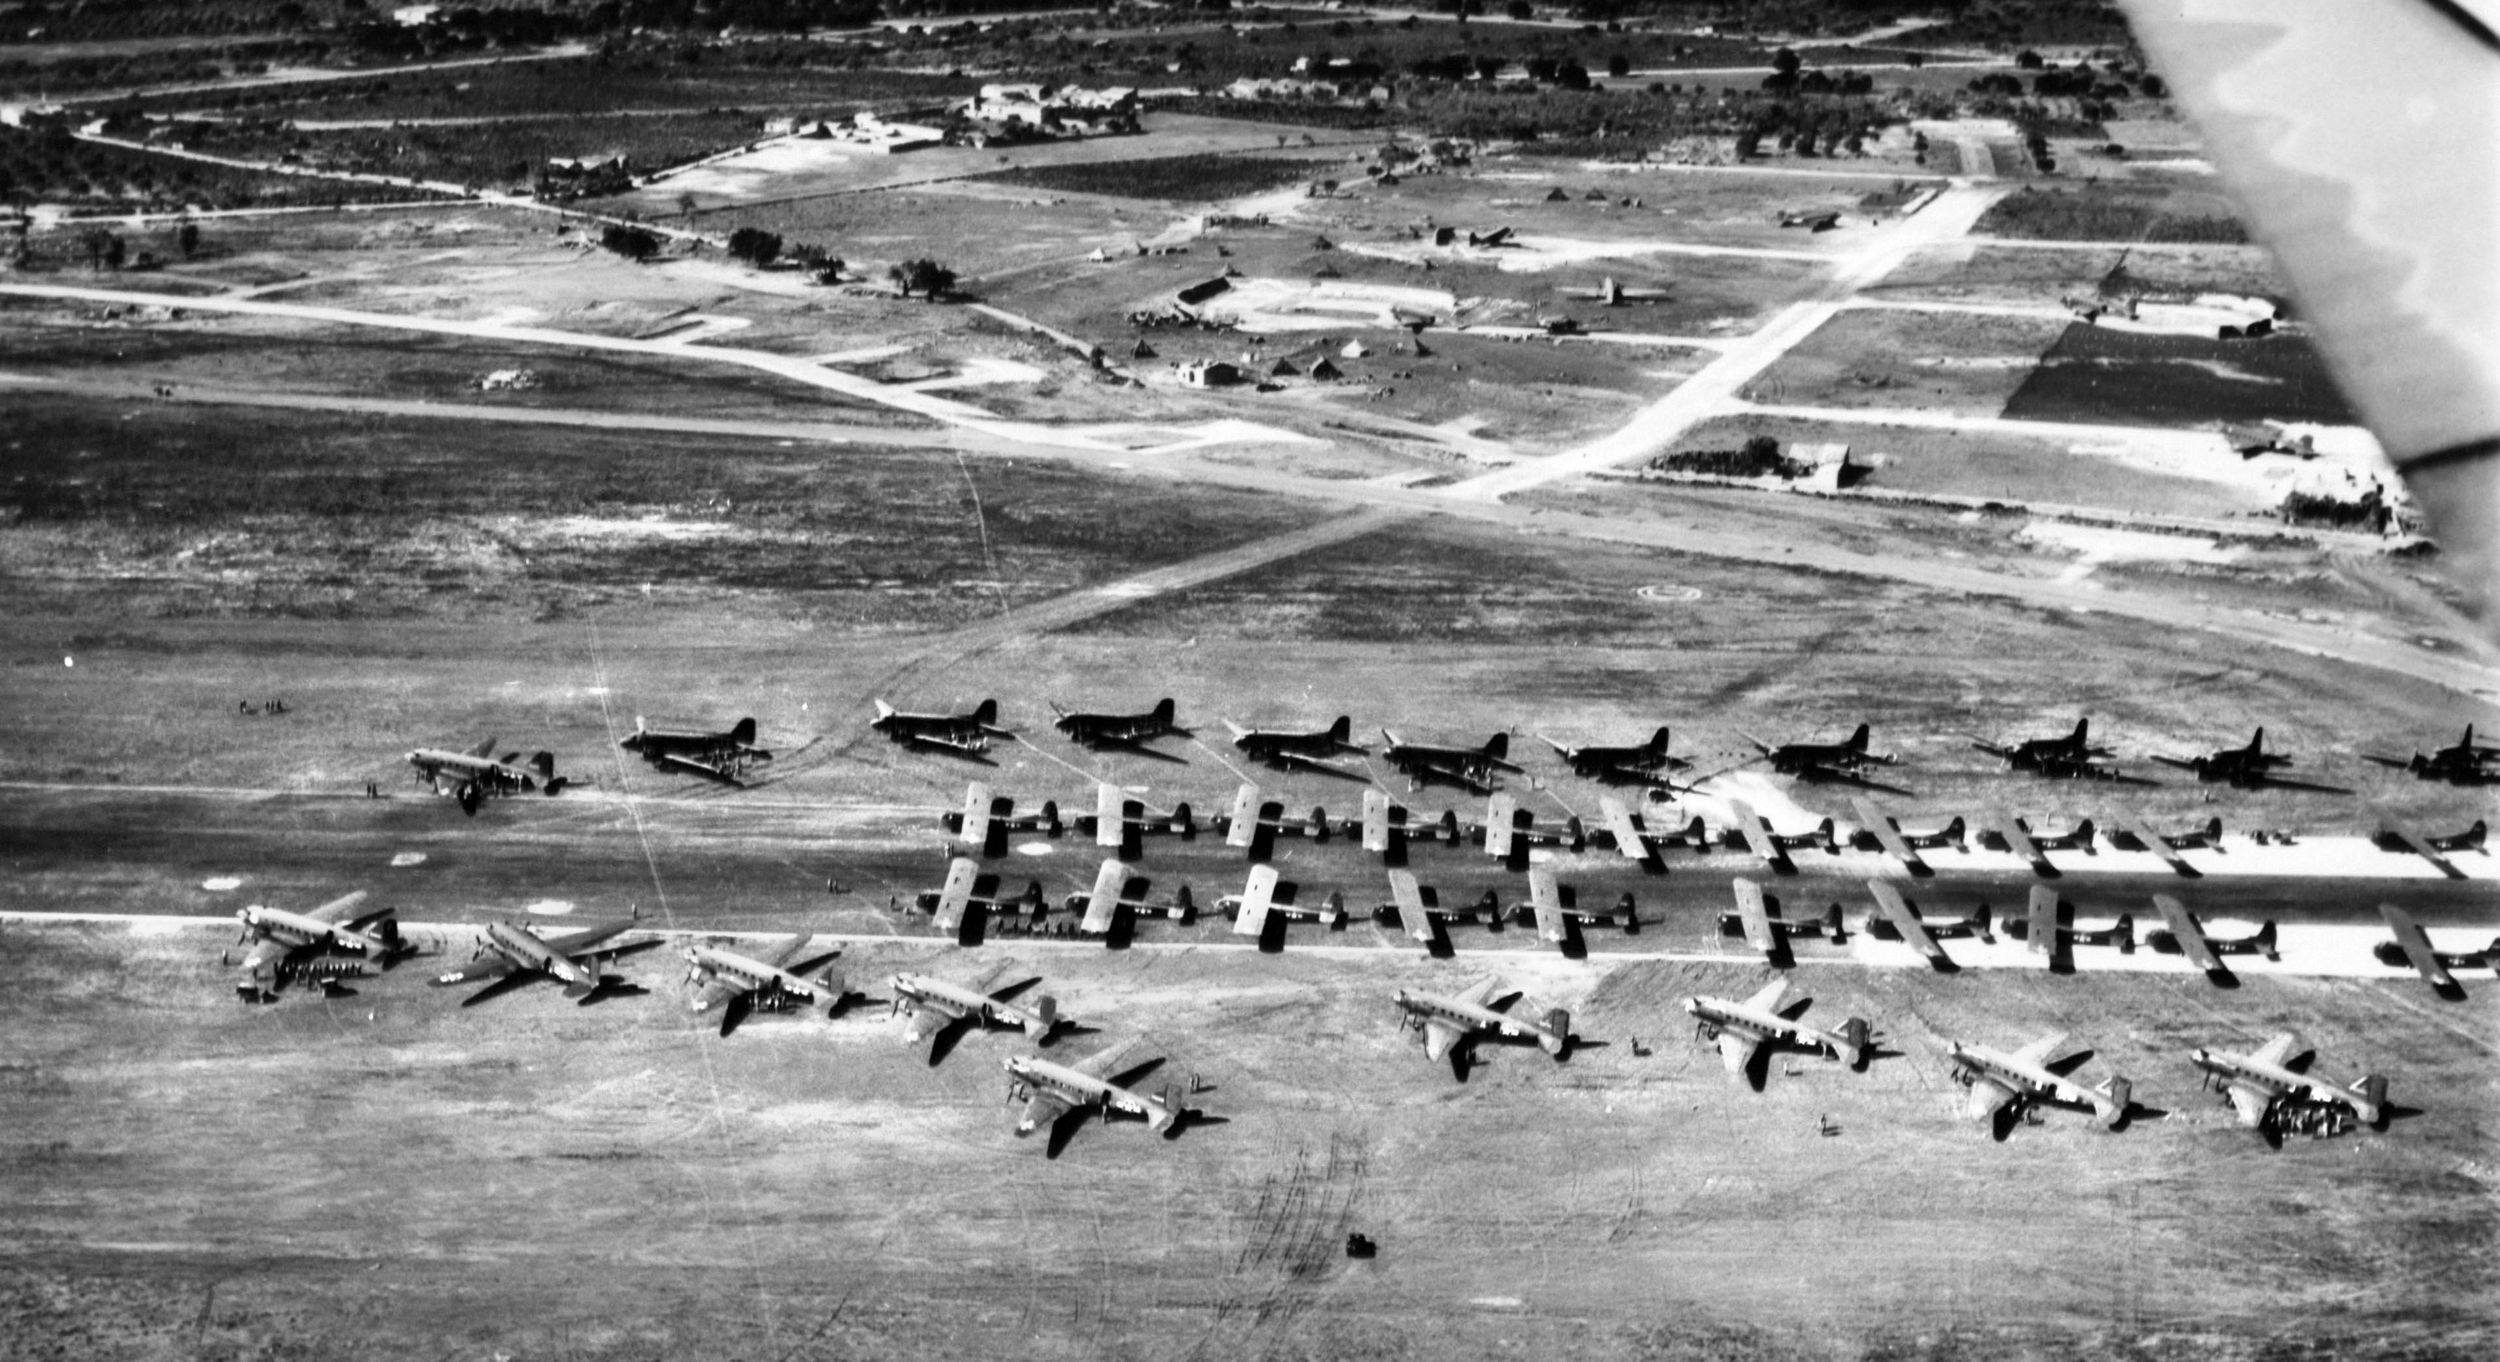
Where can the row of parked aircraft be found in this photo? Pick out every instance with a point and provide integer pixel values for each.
(2267, 1087)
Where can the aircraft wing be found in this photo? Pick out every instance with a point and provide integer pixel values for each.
(2133, 824)
(2390, 253)
(1767, 997)
(584, 940)
(1546, 899)
(1375, 820)
(1988, 1097)
(1043, 1108)
(1098, 1064)
(1440, 1037)
(716, 994)
(779, 957)
(2040, 931)
(1245, 825)
(979, 808)
(1628, 837)
(2417, 947)
(484, 751)
(1737, 1046)
(1887, 835)
(2038, 1051)
(956, 894)
(1897, 911)
(1102, 906)
(487, 966)
(691, 766)
(2420, 846)
(1501, 814)
(1409, 898)
(2250, 1101)
(2191, 937)
(1757, 834)
(1257, 897)
(2016, 840)
(337, 910)
(2277, 1050)
(1480, 994)
(1110, 816)
(1756, 916)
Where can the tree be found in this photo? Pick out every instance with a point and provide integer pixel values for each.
(187, 238)
(633, 243)
(1618, 66)
(1521, 10)
(1786, 62)
(755, 246)
(2029, 60)
(114, 250)
(928, 278)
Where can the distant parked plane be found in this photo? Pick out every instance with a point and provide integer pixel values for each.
(477, 774)
(1051, 1091)
(1472, 768)
(2465, 762)
(2245, 768)
(1815, 220)
(1448, 1023)
(1609, 293)
(2001, 1082)
(966, 887)
(1255, 906)
(1825, 758)
(723, 754)
(985, 820)
(930, 1005)
(2033, 754)
(1639, 764)
(1758, 920)
(1741, 1029)
(2182, 934)
(738, 983)
(325, 946)
(963, 735)
(1306, 750)
(2265, 1088)
(512, 955)
(1133, 731)
(2412, 946)
(2393, 835)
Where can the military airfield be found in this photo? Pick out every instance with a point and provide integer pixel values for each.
(275, 474)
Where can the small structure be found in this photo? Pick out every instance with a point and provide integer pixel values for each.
(1210, 373)
(1141, 350)
(508, 380)
(1283, 368)
(1194, 294)
(1325, 370)
(1355, 349)
(1556, 195)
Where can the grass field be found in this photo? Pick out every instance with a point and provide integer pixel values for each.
(2098, 375)
(1929, 361)
(1192, 179)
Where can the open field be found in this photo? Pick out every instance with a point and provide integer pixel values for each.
(1879, 359)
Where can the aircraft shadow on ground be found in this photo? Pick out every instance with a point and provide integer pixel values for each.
(947, 1038)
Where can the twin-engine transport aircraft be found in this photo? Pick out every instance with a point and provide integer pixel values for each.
(1824, 759)
(723, 755)
(2266, 1089)
(2245, 768)
(477, 774)
(2467, 762)
(1743, 1028)
(778, 979)
(963, 735)
(1611, 293)
(287, 947)
(1133, 731)
(1639, 764)
(513, 955)
(2026, 1078)
(1451, 1022)
(1471, 768)
(931, 1005)
(2040, 754)
(1051, 1091)
(1309, 751)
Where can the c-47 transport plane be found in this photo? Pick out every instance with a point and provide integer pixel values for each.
(2245, 768)
(511, 956)
(1743, 1028)
(2038, 754)
(724, 755)
(1808, 758)
(285, 944)
(477, 774)
(1450, 1022)
(1133, 731)
(1999, 1082)
(1471, 768)
(1313, 750)
(1050, 1091)
(932, 1005)
(964, 735)
(738, 983)
(2466, 762)
(1640, 764)
(2266, 1091)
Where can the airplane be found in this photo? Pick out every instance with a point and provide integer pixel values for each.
(1743, 1028)
(1310, 750)
(2027, 1078)
(1386, 831)
(985, 820)
(1118, 821)
(287, 947)
(1630, 834)
(1608, 292)
(2465, 762)
(2182, 934)
(1556, 324)
(1470, 767)
(1510, 830)
(477, 774)
(1757, 919)
(2008, 832)
(1051, 1091)
(1752, 832)
(738, 983)
(1554, 910)
(2042, 933)
(2031, 753)
(1253, 908)
(1823, 758)
(1639, 764)
(2262, 1086)
(966, 886)
(512, 955)
(1412, 907)
(1116, 892)
(1098, 731)
(1499, 236)
(2132, 833)
(2396, 836)
(1817, 220)
(1897, 919)
(930, 1005)
(1880, 831)
(1256, 823)
(2244, 768)
(2412, 946)
(723, 756)
(963, 735)
(1451, 1022)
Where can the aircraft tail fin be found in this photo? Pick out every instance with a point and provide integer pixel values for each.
(2083, 732)
(1827, 835)
(2123, 931)
(2257, 744)
(2265, 938)
(1183, 907)
(2083, 833)
(1164, 710)
(1050, 818)
(1044, 1017)
(1831, 921)
(1956, 831)
(830, 980)
(2472, 838)
(884, 710)
(2213, 830)
(1979, 920)
(1498, 747)
(1342, 731)
(1558, 1037)
(1578, 836)
(1854, 1042)
(2111, 1100)
(1857, 740)
(1449, 825)
(985, 713)
(1627, 913)
(742, 733)
(2371, 1089)
(544, 763)
(1334, 913)
(1657, 745)
(1182, 822)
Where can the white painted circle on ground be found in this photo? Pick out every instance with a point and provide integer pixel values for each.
(408, 858)
(219, 884)
(549, 907)
(1664, 591)
(1034, 849)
